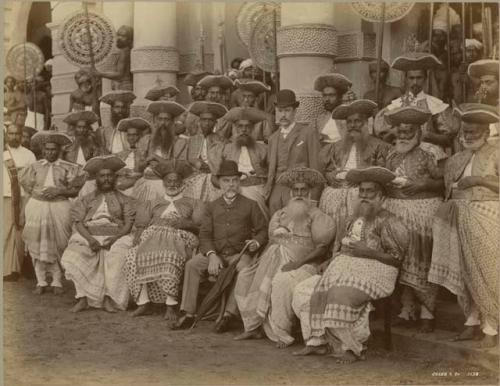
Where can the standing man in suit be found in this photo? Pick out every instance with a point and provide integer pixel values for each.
(293, 144)
(230, 222)
(332, 88)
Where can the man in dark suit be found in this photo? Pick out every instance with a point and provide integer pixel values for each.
(293, 144)
(230, 222)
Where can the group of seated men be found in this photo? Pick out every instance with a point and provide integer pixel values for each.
(317, 219)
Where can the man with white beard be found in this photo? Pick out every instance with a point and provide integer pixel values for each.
(414, 197)
(300, 235)
(465, 250)
(333, 308)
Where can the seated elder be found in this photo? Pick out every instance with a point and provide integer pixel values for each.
(95, 256)
(333, 308)
(165, 239)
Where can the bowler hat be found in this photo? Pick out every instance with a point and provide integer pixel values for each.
(228, 168)
(286, 98)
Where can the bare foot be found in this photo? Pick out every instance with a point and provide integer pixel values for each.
(489, 341)
(254, 334)
(39, 290)
(347, 358)
(108, 306)
(470, 333)
(281, 344)
(427, 326)
(143, 309)
(171, 314)
(312, 350)
(58, 291)
(80, 306)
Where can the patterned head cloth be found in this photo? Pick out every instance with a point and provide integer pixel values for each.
(158, 91)
(254, 86)
(483, 67)
(246, 64)
(335, 80)
(118, 95)
(416, 61)
(109, 162)
(222, 81)
(49, 136)
(376, 174)
(82, 76)
(361, 106)
(173, 108)
(477, 113)
(311, 177)
(200, 107)
(246, 113)
(182, 168)
(407, 114)
(136, 122)
(88, 116)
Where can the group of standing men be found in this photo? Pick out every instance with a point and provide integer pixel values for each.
(318, 219)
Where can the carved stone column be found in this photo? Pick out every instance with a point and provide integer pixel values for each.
(155, 57)
(307, 45)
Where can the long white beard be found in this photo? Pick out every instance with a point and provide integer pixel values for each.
(403, 146)
(298, 210)
(475, 145)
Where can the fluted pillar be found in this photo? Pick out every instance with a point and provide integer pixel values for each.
(306, 47)
(155, 57)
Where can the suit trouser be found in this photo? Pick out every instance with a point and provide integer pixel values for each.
(196, 271)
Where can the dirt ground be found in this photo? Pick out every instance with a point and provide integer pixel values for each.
(45, 344)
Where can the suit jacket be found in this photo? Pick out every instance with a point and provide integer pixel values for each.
(258, 156)
(194, 148)
(303, 149)
(225, 228)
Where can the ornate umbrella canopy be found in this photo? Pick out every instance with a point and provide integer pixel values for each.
(248, 15)
(73, 38)
(262, 46)
(372, 10)
(24, 60)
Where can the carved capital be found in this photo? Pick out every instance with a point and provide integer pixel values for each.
(154, 59)
(310, 106)
(307, 40)
(355, 45)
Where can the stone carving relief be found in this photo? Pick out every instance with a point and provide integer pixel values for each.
(154, 58)
(307, 40)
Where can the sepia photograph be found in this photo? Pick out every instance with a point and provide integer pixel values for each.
(250, 193)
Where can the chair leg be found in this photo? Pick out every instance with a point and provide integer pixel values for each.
(387, 304)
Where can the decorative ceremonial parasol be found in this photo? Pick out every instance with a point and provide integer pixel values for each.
(24, 60)
(248, 15)
(381, 12)
(74, 38)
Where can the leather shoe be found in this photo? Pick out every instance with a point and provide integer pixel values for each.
(223, 324)
(183, 323)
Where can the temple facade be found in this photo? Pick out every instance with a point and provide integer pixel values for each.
(313, 38)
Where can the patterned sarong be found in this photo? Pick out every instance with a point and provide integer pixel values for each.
(341, 299)
(418, 216)
(200, 187)
(47, 229)
(158, 261)
(465, 254)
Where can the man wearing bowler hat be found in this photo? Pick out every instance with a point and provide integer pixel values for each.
(229, 224)
(293, 144)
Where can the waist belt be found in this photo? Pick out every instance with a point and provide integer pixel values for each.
(398, 193)
(39, 197)
(470, 194)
